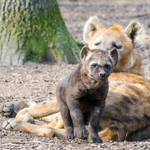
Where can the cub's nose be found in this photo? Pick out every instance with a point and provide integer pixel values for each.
(102, 74)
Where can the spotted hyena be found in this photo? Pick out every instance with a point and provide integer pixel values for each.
(81, 95)
(124, 40)
(126, 115)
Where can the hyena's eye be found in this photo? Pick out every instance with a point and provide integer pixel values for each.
(97, 43)
(117, 45)
(94, 65)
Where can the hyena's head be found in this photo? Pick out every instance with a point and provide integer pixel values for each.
(124, 40)
(98, 64)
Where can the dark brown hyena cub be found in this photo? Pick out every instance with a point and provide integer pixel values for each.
(81, 95)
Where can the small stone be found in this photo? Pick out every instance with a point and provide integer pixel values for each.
(35, 146)
(93, 145)
(8, 140)
(144, 147)
(6, 109)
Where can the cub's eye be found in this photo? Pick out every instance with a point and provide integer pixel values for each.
(107, 66)
(94, 65)
(98, 43)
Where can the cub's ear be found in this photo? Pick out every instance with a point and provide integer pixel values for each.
(91, 27)
(114, 55)
(136, 32)
(84, 52)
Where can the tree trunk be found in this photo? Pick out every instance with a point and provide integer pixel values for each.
(34, 29)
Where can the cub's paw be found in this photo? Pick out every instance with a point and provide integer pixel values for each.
(69, 133)
(9, 110)
(10, 124)
(94, 139)
(80, 132)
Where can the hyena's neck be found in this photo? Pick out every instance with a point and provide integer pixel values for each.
(89, 82)
(130, 64)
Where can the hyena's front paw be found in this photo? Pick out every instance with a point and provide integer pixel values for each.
(94, 139)
(69, 133)
(9, 110)
(10, 124)
(80, 132)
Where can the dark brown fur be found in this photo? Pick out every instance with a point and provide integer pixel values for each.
(84, 92)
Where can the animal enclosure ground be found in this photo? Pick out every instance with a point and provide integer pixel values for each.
(37, 82)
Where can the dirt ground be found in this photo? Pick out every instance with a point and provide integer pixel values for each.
(37, 82)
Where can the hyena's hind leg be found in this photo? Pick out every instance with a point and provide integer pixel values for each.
(139, 134)
(48, 107)
(40, 110)
(25, 117)
(41, 130)
(116, 132)
(136, 130)
(55, 121)
(10, 109)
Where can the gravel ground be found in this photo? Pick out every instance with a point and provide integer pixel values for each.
(37, 82)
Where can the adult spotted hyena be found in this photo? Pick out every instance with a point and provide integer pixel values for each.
(124, 40)
(126, 115)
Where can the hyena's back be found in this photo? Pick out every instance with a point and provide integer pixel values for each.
(127, 108)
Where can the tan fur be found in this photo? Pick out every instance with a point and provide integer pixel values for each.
(131, 37)
(44, 108)
(126, 115)
(93, 26)
(55, 121)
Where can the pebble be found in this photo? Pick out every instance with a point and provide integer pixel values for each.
(144, 147)
(93, 145)
(9, 140)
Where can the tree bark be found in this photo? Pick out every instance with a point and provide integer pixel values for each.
(34, 29)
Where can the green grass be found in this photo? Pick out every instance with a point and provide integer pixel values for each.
(80, 45)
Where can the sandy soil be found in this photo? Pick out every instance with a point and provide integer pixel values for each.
(37, 82)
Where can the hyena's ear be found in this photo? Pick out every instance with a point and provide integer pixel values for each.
(114, 56)
(84, 52)
(136, 32)
(91, 27)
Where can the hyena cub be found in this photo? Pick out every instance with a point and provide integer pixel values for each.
(81, 95)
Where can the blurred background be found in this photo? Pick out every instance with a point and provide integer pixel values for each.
(76, 12)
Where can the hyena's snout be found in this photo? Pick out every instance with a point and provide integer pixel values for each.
(102, 74)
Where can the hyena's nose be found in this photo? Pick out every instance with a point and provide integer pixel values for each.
(105, 47)
(102, 74)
